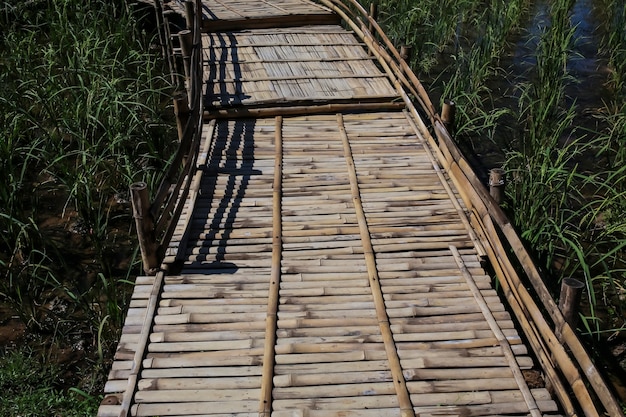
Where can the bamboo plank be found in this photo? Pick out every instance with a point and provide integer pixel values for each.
(390, 412)
(196, 395)
(194, 408)
(207, 374)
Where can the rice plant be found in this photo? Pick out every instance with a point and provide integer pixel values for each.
(84, 111)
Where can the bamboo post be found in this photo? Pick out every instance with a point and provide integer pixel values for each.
(168, 47)
(373, 15)
(145, 227)
(569, 300)
(496, 184)
(181, 111)
(405, 52)
(189, 14)
(186, 46)
(447, 114)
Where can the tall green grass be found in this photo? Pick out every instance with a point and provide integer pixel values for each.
(569, 213)
(564, 210)
(83, 113)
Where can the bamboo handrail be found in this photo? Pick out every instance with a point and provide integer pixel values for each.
(169, 198)
(569, 364)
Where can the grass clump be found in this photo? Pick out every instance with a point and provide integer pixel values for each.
(510, 67)
(30, 388)
(84, 111)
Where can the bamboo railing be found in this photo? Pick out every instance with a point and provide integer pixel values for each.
(156, 220)
(567, 367)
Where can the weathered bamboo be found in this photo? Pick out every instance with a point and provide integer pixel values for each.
(405, 52)
(504, 344)
(190, 14)
(406, 407)
(296, 110)
(497, 181)
(531, 311)
(185, 38)
(600, 387)
(144, 223)
(373, 13)
(265, 406)
(168, 46)
(448, 112)
(141, 346)
(181, 111)
(569, 301)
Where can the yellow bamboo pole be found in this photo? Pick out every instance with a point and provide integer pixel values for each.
(265, 407)
(502, 340)
(404, 400)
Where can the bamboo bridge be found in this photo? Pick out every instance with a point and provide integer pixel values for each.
(321, 248)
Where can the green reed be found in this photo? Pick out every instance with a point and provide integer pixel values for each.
(567, 214)
(84, 111)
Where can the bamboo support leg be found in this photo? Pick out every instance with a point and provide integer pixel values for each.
(145, 227)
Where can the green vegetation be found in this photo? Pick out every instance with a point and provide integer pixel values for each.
(507, 65)
(30, 388)
(83, 109)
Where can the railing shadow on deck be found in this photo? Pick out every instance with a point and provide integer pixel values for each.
(229, 142)
(568, 369)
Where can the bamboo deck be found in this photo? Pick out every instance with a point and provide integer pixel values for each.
(324, 263)
(292, 65)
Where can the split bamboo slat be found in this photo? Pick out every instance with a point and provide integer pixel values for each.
(259, 67)
(323, 264)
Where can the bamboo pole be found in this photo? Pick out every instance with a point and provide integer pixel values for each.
(269, 355)
(496, 184)
(404, 400)
(295, 110)
(145, 227)
(185, 37)
(167, 35)
(189, 14)
(448, 112)
(405, 52)
(502, 340)
(142, 344)
(569, 301)
(181, 111)
(373, 14)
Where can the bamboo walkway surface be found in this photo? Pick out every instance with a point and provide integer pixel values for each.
(323, 264)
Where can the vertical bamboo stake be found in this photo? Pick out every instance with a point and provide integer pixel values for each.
(189, 14)
(571, 293)
(496, 184)
(181, 111)
(405, 52)
(186, 46)
(373, 15)
(168, 47)
(145, 227)
(497, 331)
(447, 114)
